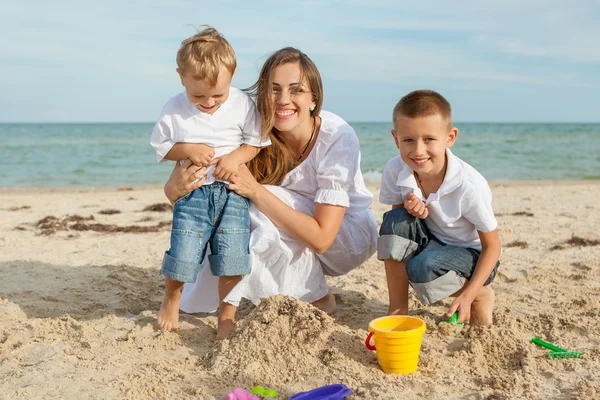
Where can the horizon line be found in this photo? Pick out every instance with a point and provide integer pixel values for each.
(350, 122)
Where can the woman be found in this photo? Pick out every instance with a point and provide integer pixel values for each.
(310, 212)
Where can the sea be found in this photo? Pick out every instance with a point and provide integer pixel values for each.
(119, 154)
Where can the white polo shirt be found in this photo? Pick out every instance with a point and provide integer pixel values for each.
(461, 206)
(234, 123)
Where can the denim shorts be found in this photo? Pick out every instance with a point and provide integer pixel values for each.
(435, 269)
(210, 215)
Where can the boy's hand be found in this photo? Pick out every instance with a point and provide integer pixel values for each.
(462, 304)
(202, 154)
(416, 207)
(227, 166)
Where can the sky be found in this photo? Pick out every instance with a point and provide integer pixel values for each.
(495, 61)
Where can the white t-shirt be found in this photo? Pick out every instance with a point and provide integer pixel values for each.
(234, 123)
(461, 206)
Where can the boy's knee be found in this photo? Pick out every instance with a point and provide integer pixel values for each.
(426, 268)
(420, 271)
(432, 284)
(412, 272)
(401, 235)
(397, 222)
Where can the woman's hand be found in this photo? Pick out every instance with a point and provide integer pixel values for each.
(183, 180)
(244, 184)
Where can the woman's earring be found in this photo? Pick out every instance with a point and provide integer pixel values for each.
(312, 108)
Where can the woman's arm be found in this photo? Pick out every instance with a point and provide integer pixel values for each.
(317, 233)
(182, 180)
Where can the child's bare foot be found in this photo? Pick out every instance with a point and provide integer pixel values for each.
(482, 306)
(397, 311)
(327, 304)
(168, 315)
(224, 328)
(226, 320)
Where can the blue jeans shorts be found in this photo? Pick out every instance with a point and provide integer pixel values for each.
(435, 270)
(210, 215)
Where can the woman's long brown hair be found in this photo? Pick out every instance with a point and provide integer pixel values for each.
(273, 163)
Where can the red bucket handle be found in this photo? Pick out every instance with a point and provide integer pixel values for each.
(368, 342)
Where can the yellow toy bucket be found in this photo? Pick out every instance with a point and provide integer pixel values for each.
(397, 342)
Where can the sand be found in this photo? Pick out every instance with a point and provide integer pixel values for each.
(79, 295)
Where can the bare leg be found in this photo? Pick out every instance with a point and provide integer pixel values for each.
(327, 303)
(226, 319)
(397, 282)
(482, 306)
(168, 315)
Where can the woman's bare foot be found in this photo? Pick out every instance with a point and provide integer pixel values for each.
(326, 304)
(482, 306)
(168, 315)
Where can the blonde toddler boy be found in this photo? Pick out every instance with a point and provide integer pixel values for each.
(216, 126)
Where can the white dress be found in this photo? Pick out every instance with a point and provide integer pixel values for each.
(282, 265)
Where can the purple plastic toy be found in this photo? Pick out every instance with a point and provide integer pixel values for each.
(329, 392)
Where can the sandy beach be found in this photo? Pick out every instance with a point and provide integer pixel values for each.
(80, 289)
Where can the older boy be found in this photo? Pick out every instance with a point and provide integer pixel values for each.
(441, 234)
(215, 126)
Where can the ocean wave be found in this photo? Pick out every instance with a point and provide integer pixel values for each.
(372, 176)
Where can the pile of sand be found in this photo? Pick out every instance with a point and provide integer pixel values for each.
(284, 343)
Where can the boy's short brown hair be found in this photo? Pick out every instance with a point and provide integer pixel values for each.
(423, 103)
(204, 54)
